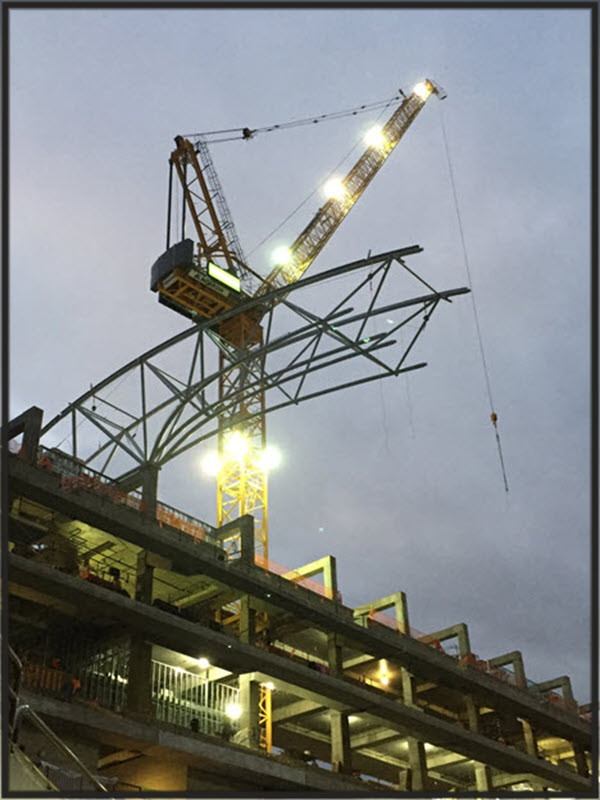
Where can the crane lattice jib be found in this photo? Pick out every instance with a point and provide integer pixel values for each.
(320, 229)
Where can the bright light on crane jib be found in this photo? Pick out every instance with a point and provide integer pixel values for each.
(334, 189)
(374, 137)
(423, 90)
(282, 255)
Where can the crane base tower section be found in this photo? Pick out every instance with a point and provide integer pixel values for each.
(116, 608)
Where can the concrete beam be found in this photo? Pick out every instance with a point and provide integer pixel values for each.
(296, 710)
(335, 692)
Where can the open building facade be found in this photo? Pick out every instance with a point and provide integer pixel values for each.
(168, 656)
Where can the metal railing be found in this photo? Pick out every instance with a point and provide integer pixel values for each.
(26, 710)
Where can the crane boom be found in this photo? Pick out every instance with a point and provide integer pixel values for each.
(322, 226)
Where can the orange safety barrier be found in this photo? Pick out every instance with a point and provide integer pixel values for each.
(390, 622)
(97, 485)
(166, 517)
(36, 676)
(296, 577)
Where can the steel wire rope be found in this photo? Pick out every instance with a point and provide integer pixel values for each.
(315, 118)
(316, 189)
(493, 415)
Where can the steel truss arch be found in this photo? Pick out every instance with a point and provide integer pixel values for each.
(160, 415)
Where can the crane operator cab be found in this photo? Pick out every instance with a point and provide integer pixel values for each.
(203, 291)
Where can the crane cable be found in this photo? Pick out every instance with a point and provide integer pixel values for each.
(249, 133)
(316, 189)
(493, 415)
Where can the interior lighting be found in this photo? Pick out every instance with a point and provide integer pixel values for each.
(236, 445)
(203, 663)
(334, 189)
(374, 137)
(270, 686)
(282, 255)
(224, 277)
(269, 458)
(211, 463)
(233, 710)
(384, 680)
(423, 90)
(352, 718)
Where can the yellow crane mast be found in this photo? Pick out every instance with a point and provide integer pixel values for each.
(202, 284)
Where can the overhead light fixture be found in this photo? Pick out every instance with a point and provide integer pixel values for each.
(375, 137)
(270, 686)
(282, 256)
(224, 277)
(203, 663)
(334, 189)
(423, 90)
(384, 680)
(233, 710)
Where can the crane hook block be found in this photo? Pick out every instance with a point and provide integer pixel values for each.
(494, 418)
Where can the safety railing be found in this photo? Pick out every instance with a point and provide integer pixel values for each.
(296, 577)
(24, 710)
(76, 476)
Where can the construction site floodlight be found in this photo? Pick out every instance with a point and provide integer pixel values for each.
(233, 710)
(282, 256)
(224, 277)
(269, 458)
(375, 137)
(423, 89)
(236, 445)
(211, 464)
(334, 189)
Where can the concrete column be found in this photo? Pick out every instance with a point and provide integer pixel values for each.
(247, 621)
(334, 654)
(29, 423)
(483, 778)
(150, 489)
(532, 750)
(417, 773)
(416, 776)
(139, 685)
(580, 760)
(144, 579)
(401, 609)
(341, 752)
(249, 731)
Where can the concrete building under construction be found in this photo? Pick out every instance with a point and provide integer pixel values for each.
(166, 660)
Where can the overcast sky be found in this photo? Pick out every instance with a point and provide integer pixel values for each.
(399, 480)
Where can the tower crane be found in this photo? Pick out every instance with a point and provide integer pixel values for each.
(202, 282)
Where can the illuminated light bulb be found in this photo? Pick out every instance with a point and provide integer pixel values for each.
(270, 686)
(423, 90)
(282, 255)
(269, 458)
(236, 445)
(203, 663)
(233, 711)
(384, 680)
(211, 464)
(374, 137)
(334, 189)
(352, 718)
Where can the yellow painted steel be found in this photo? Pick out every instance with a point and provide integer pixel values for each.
(265, 718)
